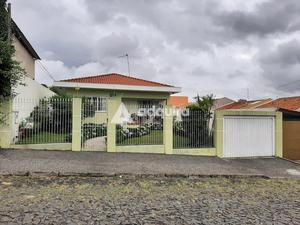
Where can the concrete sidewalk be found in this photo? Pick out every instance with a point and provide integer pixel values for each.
(101, 163)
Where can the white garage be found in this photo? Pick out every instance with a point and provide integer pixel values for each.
(249, 136)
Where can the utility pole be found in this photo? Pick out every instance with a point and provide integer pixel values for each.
(248, 94)
(9, 22)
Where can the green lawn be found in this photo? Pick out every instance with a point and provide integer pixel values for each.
(44, 138)
(154, 138)
(180, 142)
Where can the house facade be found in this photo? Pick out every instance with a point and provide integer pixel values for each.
(133, 92)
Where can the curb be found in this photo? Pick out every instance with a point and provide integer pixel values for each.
(127, 175)
(292, 161)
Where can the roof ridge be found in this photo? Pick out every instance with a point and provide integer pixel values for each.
(117, 74)
(89, 76)
(287, 97)
(154, 82)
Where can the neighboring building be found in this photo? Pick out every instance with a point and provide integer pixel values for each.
(221, 102)
(25, 53)
(26, 56)
(289, 103)
(29, 93)
(179, 101)
(290, 108)
(218, 103)
(244, 104)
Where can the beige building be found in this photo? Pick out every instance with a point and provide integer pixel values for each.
(28, 95)
(25, 53)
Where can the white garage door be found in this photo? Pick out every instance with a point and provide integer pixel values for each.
(248, 136)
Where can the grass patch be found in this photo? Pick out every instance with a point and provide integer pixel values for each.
(44, 138)
(180, 142)
(155, 137)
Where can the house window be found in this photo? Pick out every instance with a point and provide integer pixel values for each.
(100, 104)
(148, 103)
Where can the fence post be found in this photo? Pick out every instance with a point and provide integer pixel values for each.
(168, 130)
(112, 107)
(218, 136)
(278, 135)
(5, 123)
(76, 124)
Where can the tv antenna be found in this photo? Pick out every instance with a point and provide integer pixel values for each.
(128, 65)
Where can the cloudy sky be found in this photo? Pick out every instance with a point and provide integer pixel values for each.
(224, 47)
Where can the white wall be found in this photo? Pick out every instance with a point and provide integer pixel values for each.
(27, 98)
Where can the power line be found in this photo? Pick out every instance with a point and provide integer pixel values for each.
(47, 71)
(289, 83)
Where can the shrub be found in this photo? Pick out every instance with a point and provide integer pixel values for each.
(91, 130)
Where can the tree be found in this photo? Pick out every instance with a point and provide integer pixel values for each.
(204, 103)
(11, 73)
(195, 126)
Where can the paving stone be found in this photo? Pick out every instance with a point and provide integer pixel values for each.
(141, 200)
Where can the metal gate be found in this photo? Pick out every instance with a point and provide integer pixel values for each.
(246, 136)
(93, 125)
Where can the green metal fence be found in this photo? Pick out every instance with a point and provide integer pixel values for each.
(143, 125)
(193, 130)
(42, 121)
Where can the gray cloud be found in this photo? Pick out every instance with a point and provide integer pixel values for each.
(271, 17)
(284, 55)
(281, 66)
(205, 46)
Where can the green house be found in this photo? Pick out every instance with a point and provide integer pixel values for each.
(129, 90)
(129, 93)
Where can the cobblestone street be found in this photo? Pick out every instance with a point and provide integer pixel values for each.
(130, 200)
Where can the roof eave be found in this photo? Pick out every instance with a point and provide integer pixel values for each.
(166, 89)
(22, 38)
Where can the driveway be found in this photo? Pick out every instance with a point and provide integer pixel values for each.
(102, 163)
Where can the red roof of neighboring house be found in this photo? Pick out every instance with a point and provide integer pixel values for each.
(235, 105)
(289, 103)
(221, 102)
(244, 104)
(179, 101)
(115, 78)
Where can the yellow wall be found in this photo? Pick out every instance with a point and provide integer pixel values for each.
(99, 118)
(52, 146)
(6, 125)
(219, 127)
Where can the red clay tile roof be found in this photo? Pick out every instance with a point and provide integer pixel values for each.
(179, 101)
(289, 103)
(235, 105)
(243, 104)
(114, 78)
